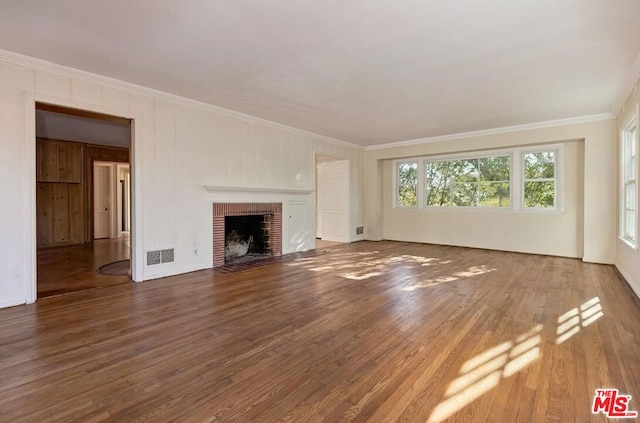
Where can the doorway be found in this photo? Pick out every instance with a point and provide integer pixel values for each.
(83, 177)
(332, 201)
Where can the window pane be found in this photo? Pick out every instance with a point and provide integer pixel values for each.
(494, 194)
(438, 196)
(439, 177)
(465, 194)
(630, 197)
(407, 196)
(539, 194)
(630, 225)
(494, 168)
(407, 173)
(539, 165)
(464, 170)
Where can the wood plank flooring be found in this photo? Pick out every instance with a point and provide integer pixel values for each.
(69, 269)
(371, 331)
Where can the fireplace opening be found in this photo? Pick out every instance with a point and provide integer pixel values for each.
(247, 238)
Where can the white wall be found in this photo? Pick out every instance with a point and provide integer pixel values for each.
(180, 147)
(585, 229)
(628, 259)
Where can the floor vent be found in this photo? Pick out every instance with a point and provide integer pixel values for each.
(160, 256)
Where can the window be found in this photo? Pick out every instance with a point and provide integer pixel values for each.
(539, 179)
(629, 188)
(520, 179)
(481, 182)
(407, 186)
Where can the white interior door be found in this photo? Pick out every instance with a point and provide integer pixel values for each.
(333, 200)
(319, 189)
(127, 201)
(101, 201)
(123, 200)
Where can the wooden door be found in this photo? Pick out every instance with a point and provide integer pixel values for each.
(102, 200)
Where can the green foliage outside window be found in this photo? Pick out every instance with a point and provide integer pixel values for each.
(408, 184)
(480, 182)
(539, 179)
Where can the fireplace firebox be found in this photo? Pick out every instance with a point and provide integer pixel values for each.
(246, 231)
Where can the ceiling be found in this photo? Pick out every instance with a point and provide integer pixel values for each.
(65, 127)
(367, 72)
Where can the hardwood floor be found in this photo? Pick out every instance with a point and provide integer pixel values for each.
(371, 331)
(69, 269)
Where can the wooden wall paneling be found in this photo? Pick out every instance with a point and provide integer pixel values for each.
(47, 162)
(76, 213)
(114, 155)
(70, 162)
(64, 171)
(44, 207)
(60, 213)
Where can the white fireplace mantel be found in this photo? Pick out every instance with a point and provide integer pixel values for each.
(214, 188)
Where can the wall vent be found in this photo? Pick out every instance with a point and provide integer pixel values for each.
(359, 230)
(160, 256)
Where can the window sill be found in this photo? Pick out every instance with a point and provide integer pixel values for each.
(435, 209)
(629, 244)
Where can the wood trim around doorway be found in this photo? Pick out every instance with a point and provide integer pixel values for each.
(30, 245)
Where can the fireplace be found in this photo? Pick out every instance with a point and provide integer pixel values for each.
(246, 231)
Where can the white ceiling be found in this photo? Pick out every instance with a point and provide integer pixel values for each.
(368, 72)
(59, 126)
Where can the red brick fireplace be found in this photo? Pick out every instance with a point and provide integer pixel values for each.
(272, 213)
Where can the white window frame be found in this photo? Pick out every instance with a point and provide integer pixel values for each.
(558, 179)
(627, 180)
(516, 180)
(466, 156)
(396, 183)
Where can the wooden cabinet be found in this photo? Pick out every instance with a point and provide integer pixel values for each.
(59, 162)
(59, 193)
(70, 160)
(47, 162)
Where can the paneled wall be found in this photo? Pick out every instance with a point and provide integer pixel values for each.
(182, 146)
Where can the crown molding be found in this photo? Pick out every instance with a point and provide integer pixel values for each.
(628, 86)
(495, 131)
(46, 66)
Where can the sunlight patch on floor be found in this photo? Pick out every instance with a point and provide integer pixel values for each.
(483, 372)
(570, 322)
(472, 271)
(361, 265)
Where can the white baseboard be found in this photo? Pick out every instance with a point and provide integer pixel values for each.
(633, 284)
(171, 271)
(12, 302)
(335, 239)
